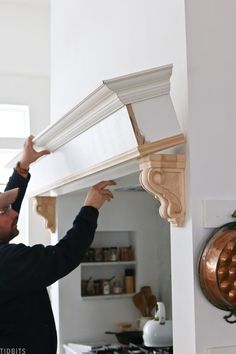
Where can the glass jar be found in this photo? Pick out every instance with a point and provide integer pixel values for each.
(106, 287)
(106, 257)
(97, 287)
(117, 287)
(126, 254)
(129, 281)
(113, 254)
(98, 254)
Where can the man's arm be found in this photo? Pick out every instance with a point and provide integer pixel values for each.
(33, 268)
(20, 176)
(18, 181)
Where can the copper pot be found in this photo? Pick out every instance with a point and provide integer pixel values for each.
(217, 268)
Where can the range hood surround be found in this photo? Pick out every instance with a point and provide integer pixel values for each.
(108, 134)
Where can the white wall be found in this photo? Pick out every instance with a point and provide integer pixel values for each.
(28, 90)
(25, 60)
(24, 38)
(96, 40)
(87, 320)
(24, 72)
(212, 146)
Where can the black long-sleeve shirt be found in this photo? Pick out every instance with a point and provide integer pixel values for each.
(26, 319)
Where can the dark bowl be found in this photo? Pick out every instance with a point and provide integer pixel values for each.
(126, 337)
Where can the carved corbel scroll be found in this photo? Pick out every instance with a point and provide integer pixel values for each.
(164, 177)
(46, 207)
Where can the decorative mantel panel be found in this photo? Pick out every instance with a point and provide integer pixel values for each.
(163, 176)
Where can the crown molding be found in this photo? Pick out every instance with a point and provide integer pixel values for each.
(111, 96)
(104, 101)
(142, 85)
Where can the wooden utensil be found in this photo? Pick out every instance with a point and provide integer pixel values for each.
(151, 303)
(140, 302)
(147, 292)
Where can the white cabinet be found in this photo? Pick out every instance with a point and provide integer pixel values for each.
(107, 262)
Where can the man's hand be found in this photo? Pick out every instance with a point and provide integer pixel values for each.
(98, 194)
(30, 154)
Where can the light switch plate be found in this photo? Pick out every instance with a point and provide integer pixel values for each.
(218, 212)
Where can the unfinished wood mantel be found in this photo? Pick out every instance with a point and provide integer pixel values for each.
(163, 176)
(46, 207)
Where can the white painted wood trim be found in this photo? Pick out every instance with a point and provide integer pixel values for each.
(127, 160)
(142, 85)
(108, 98)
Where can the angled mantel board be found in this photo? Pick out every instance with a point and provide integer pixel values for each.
(156, 118)
(107, 139)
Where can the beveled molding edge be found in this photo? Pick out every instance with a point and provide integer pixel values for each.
(163, 176)
(108, 98)
(46, 207)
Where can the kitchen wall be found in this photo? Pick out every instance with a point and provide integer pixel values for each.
(24, 73)
(212, 146)
(96, 40)
(86, 320)
(92, 41)
(24, 61)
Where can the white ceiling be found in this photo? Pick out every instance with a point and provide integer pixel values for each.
(38, 3)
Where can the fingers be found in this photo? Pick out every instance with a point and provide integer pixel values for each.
(103, 184)
(99, 194)
(43, 152)
(30, 154)
(29, 140)
(107, 194)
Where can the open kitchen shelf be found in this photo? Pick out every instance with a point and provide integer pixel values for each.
(104, 297)
(96, 272)
(118, 263)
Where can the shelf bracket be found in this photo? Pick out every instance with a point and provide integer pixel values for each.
(46, 207)
(163, 176)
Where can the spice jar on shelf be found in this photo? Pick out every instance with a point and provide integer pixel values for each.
(129, 281)
(126, 254)
(106, 257)
(97, 287)
(113, 254)
(106, 289)
(98, 254)
(87, 288)
(117, 287)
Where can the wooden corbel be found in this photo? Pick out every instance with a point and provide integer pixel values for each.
(46, 207)
(164, 177)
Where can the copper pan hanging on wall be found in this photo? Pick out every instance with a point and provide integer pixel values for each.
(217, 269)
